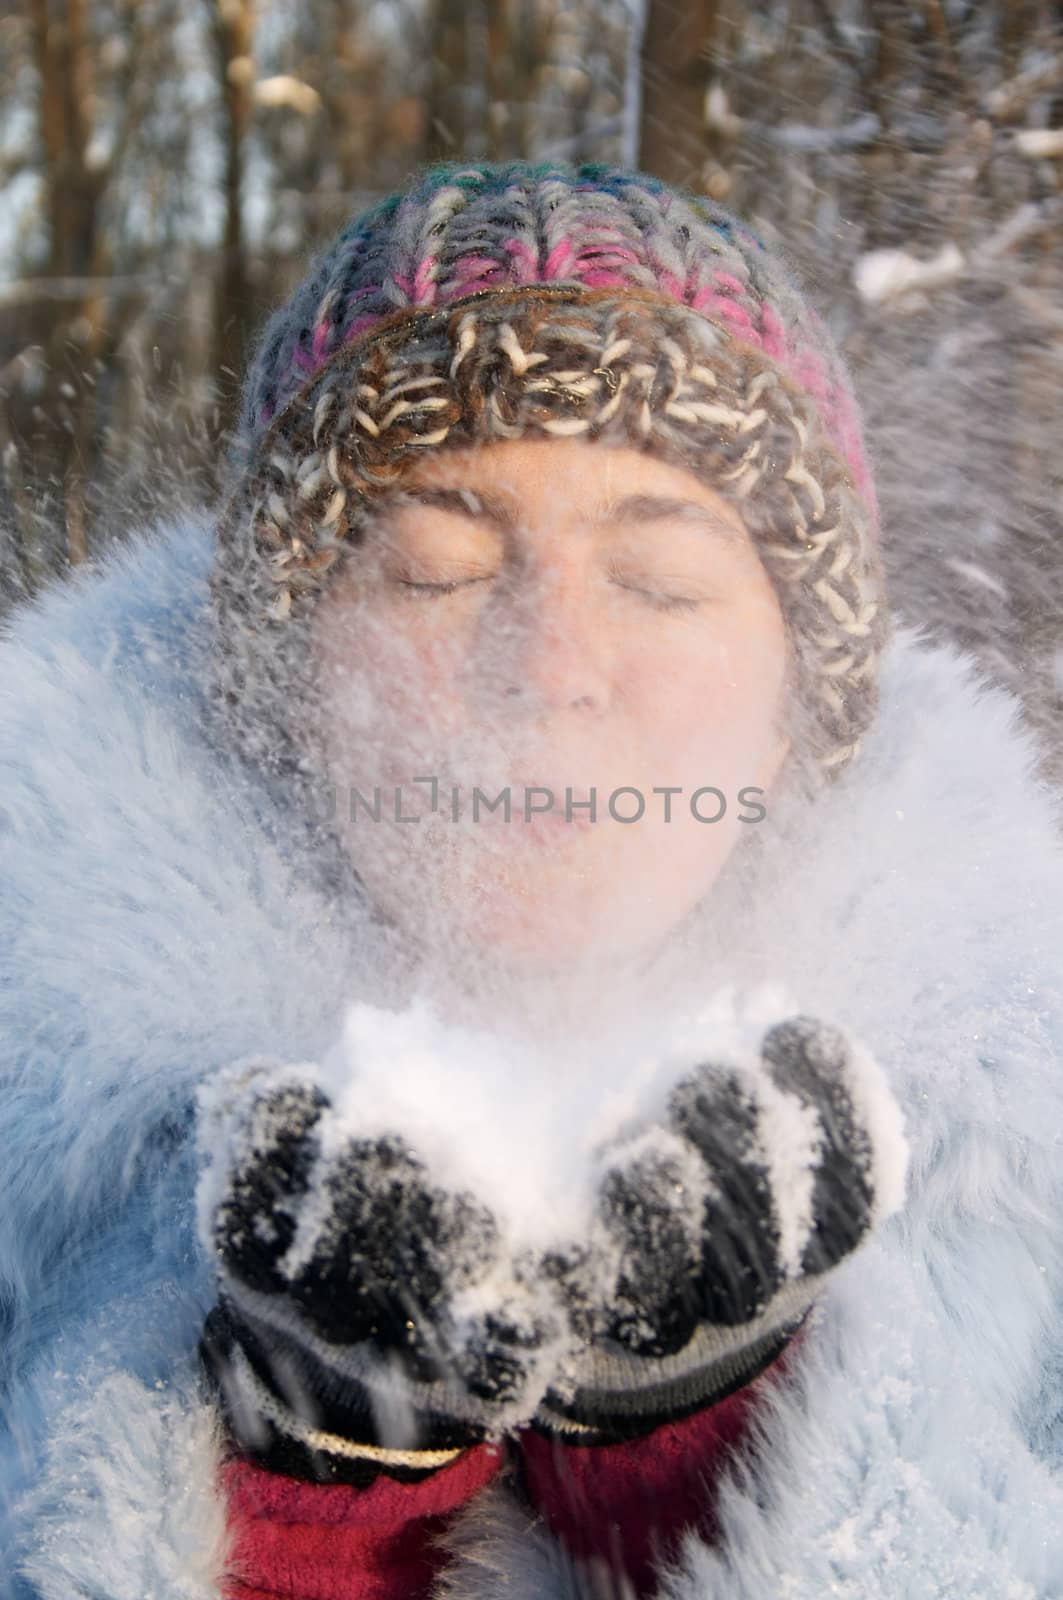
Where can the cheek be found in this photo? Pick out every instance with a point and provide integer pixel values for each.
(392, 683)
(713, 697)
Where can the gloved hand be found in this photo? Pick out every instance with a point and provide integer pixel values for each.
(368, 1320)
(716, 1229)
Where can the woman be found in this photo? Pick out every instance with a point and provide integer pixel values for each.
(574, 1256)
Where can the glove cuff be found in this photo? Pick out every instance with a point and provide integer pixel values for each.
(329, 1442)
(625, 1397)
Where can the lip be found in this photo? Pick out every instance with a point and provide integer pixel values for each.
(556, 816)
(545, 825)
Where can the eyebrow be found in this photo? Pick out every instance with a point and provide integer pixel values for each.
(464, 503)
(632, 508)
(636, 508)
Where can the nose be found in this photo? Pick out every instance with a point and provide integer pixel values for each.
(549, 649)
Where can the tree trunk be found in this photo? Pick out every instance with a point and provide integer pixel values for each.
(673, 137)
(63, 57)
(445, 129)
(234, 26)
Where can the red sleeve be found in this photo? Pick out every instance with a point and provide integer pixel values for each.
(626, 1505)
(294, 1540)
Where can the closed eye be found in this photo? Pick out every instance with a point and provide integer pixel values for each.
(447, 587)
(661, 602)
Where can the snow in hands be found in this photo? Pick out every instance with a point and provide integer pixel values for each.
(385, 1271)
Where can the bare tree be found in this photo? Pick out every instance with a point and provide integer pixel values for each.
(677, 40)
(233, 35)
(74, 315)
(73, 185)
(446, 129)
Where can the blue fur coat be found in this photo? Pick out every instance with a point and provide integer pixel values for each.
(157, 921)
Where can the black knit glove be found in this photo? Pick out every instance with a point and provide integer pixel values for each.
(366, 1320)
(716, 1229)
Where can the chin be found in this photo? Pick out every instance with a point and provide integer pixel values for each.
(524, 917)
(526, 937)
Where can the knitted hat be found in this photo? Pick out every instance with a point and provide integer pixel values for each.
(495, 301)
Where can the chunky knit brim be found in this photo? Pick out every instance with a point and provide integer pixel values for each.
(619, 368)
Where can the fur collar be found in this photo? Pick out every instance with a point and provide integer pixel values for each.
(158, 919)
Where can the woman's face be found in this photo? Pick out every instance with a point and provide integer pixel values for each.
(548, 615)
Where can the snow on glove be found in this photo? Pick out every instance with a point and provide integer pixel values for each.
(367, 1320)
(716, 1228)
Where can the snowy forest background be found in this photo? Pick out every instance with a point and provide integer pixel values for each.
(167, 167)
